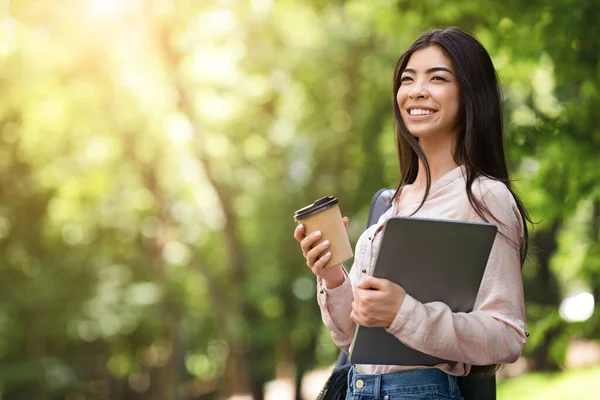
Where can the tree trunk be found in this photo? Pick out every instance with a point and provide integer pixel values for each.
(237, 376)
(304, 359)
(240, 375)
(548, 294)
(595, 235)
(300, 372)
(258, 389)
(593, 270)
(168, 378)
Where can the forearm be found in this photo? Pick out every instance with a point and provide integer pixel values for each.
(336, 305)
(476, 338)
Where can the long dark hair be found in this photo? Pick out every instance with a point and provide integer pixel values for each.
(480, 145)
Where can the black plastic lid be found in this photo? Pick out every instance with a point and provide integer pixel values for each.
(319, 205)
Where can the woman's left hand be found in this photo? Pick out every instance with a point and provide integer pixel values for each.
(376, 302)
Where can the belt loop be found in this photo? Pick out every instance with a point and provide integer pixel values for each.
(378, 383)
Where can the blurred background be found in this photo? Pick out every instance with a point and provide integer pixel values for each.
(152, 153)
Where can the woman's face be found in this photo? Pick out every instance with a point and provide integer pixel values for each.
(429, 94)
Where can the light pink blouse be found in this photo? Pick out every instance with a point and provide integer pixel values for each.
(494, 332)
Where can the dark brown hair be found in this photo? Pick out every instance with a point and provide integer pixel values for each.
(479, 146)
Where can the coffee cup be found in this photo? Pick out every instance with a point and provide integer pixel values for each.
(324, 215)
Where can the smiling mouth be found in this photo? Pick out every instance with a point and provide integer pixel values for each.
(420, 111)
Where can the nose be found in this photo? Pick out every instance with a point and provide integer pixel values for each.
(418, 90)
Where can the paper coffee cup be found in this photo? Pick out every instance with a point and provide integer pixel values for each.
(324, 215)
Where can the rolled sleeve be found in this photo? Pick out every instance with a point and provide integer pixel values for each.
(336, 306)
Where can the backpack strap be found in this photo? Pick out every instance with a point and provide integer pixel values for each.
(381, 202)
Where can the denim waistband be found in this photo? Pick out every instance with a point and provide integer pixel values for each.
(417, 381)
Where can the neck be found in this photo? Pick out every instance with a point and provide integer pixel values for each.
(440, 155)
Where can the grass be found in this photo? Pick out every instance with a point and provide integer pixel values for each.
(580, 384)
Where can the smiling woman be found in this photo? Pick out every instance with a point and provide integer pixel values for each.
(449, 132)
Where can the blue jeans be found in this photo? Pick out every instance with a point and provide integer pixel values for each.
(418, 384)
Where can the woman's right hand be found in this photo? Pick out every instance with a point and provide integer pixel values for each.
(318, 256)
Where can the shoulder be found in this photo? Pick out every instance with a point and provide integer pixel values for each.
(491, 190)
(495, 196)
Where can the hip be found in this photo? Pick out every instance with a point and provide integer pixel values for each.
(416, 384)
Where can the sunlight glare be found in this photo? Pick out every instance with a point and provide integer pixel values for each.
(262, 6)
(218, 22)
(176, 252)
(103, 7)
(215, 108)
(218, 65)
(8, 35)
(578, 307)
(179, 128)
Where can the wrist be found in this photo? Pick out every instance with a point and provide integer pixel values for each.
(335, 277)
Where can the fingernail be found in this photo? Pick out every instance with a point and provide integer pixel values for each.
(328, 254)
(326, 243)
(318, 234)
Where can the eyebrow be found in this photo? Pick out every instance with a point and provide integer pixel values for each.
(429, 71)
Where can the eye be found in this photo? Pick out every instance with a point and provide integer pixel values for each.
(406, 79)
(439, 78)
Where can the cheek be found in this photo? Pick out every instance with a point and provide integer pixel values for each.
(400, 100)
(451, 100)
(456, 107)
(400, 97)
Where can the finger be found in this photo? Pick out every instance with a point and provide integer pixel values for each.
(345, 221)
(322, 261)
(299, 232)
(308, 242)
(355, 308)
(366, 300)
(370, 282)
(318, 251)
(357, 317)
(357, 295)
(361, 304)
(354, 312)
(361, 297)
(364, 283)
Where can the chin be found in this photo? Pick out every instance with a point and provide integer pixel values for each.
(421, 132)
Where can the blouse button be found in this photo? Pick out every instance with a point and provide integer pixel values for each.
(364, 270)
(322, 291)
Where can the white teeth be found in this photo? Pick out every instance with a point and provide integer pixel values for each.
(418, 111)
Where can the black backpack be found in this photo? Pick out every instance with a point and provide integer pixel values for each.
(472, 387)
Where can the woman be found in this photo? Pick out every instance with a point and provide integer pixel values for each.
(449, 134)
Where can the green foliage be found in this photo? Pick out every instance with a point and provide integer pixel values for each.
(576, 384)
(152, 155)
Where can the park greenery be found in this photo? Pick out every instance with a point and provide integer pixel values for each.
(152, 153)
(581, 384)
